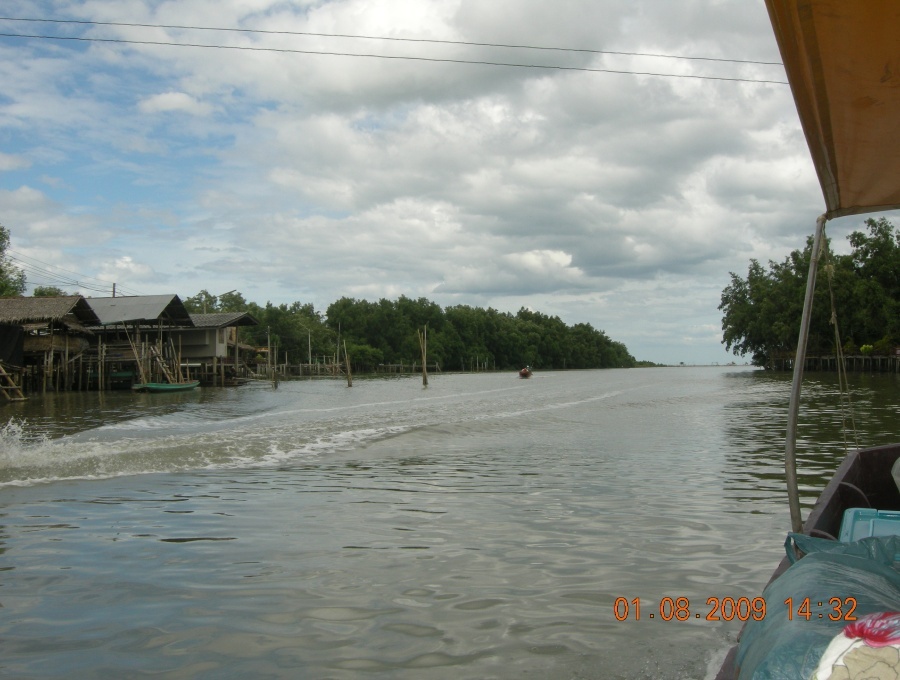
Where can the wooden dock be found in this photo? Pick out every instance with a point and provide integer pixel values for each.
(856, 363)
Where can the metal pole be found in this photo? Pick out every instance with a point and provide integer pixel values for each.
(790, 459)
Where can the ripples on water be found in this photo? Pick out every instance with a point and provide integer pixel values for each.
(480, 528)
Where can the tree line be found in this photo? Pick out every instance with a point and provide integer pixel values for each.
(761, 313)
(385, 332)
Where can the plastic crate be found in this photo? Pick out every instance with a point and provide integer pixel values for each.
(864, 522)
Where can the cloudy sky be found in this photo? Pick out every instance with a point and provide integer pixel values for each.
(600, 185)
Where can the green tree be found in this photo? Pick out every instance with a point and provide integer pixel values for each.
(470, 337)
(48, 291)
(876, 265)
(762, 312)
(203, 302)
(232, 301)
(12, 278)
(861, 291)
(386, 332)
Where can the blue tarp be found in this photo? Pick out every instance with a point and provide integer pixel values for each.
(788, 645)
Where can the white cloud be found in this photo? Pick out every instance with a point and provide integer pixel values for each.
(174, 101)
(618, 200)
(125, 268)
(11, 162)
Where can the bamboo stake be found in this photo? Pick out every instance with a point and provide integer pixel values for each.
(66, 371)
(423, 345)
(140, 364)
(347, 360)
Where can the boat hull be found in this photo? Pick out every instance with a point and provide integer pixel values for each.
(166, 387)
(862, 480)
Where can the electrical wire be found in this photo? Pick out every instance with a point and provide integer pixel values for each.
(402, 58)
(49, 275)
(478, 62)
(394, 39)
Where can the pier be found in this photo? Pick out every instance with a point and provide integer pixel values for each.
(856, 363)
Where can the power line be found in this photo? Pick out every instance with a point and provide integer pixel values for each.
(395, 39)
(404, 58)
(76, 280)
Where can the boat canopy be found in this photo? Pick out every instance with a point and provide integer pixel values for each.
(842, 60)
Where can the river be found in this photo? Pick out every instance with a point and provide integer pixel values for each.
(481, 527)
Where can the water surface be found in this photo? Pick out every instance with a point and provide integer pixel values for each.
(482, 527)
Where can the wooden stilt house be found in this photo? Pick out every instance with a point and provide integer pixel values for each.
(46, 341)
(136, 339)
(211, 350)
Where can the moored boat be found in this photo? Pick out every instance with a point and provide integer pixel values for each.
(166, 387)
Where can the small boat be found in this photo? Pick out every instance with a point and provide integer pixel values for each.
(838, 582)
(525, 372)
(166, 387)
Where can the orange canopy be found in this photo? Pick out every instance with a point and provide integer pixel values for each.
(842, 59)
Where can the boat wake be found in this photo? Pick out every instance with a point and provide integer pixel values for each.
(27, 461)
(298, 424)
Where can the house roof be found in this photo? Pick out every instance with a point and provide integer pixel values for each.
(70, 310)
(143, 308)
(223, 320)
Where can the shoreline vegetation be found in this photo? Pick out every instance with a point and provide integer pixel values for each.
(859, 291)
(385, 333)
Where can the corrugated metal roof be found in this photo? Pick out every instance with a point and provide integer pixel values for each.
(140, 308)
(22, 310)
(223, 320)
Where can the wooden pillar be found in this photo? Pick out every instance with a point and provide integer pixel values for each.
(236, 353)
(50, 359)
(347, 360)
(66, 381)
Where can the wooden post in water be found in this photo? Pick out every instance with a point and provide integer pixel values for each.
(66, 380)
(237, 362)
(99, 366)
(423, 345)
(347, 361)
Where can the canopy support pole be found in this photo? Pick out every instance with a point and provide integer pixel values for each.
(790, 458)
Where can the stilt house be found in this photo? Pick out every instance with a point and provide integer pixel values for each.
(44, 340)
(136, 338)
(212, 349)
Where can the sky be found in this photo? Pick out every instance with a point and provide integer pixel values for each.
(308, 150)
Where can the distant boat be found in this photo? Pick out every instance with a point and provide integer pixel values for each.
(166, 387)
(525, 372)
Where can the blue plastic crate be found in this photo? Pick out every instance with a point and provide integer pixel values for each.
(864, 522)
